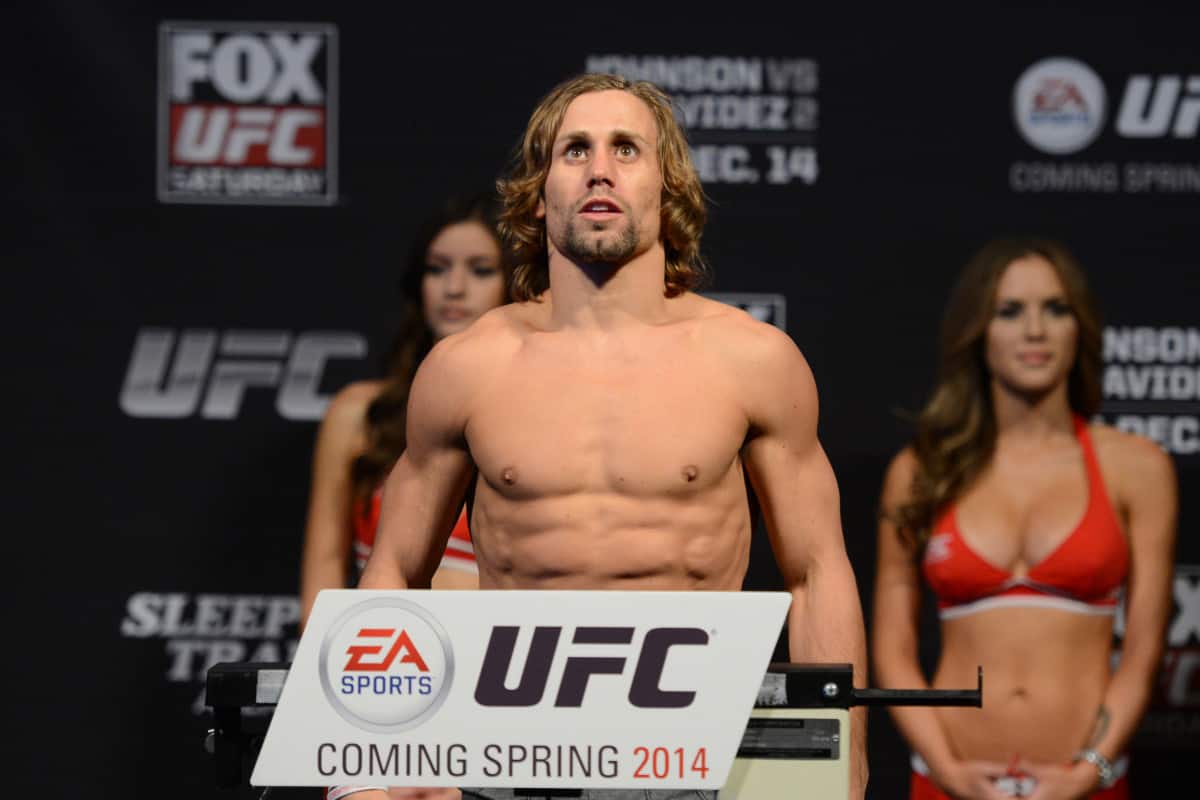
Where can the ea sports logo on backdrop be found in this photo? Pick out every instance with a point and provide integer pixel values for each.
(1059, 105)
(386, 665)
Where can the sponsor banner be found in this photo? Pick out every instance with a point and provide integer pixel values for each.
(208, 372)
(1173, 717)
(200, 630)
(247, 113)
(1061, 106)
(749, 119)
(764, 307)
(1152, 384)
(521, 688)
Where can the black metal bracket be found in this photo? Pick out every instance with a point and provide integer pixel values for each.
(832, 686)
(229, 689)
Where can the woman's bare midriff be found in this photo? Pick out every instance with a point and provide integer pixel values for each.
(1044, 674)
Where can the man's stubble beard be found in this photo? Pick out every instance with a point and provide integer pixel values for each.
(602, 250)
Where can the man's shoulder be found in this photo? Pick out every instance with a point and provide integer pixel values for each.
(762, 362)
(732, 330)
(494, 329)
(724, 318)
(487, 341)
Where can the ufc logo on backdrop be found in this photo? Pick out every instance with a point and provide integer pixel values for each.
(227, 136)
(644, 689)
(173, 376)
(1154, 107)
(247, 113)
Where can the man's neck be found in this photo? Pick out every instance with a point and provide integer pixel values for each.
(585, 296)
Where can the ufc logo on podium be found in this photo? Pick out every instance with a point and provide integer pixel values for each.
(644, 691)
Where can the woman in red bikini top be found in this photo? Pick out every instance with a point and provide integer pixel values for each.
(1029, 525)
(456, 272)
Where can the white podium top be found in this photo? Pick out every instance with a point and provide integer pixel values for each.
(535, 689)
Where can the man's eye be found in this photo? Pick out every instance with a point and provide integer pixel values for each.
(576, 151)
(627, 150)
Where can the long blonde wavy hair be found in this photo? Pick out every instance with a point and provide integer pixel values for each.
(956, 430)
(683, 202)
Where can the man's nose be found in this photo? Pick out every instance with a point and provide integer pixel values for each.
(600, 169)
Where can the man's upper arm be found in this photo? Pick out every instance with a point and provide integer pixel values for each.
(423, 493)
(788, 468)
(437, 402)
(797, 490)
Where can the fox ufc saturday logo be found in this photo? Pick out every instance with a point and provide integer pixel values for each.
(247, 113)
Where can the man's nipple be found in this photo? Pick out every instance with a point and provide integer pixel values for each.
(690, 472)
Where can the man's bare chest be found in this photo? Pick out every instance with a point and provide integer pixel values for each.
(634, 426)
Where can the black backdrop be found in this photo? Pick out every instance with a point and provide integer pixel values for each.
(152, 538)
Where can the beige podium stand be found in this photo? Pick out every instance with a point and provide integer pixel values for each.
(797, 739)
(769, 771)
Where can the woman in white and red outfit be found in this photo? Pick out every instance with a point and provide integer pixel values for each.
(456, 271)
(1029, 522)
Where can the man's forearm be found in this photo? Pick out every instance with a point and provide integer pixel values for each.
(382, 572)
(826, 627)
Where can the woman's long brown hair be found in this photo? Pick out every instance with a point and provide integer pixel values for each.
(956, 430)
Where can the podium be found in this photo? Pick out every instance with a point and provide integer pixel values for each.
(547, 693)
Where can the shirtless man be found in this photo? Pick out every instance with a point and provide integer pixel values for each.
(606, 418)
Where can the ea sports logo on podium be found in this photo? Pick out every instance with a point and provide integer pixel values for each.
(386, 665)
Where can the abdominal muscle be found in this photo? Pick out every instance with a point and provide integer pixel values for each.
(1044, 676)
(613, 541)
